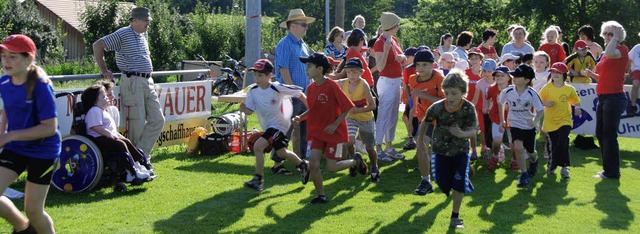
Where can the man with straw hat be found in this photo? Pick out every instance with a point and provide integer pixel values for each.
(289, 70)
(139, 98)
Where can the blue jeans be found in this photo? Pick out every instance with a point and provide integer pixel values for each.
(608, 113)
(298, 109)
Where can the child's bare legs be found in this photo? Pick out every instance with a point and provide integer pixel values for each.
(373, 155)
(424, 157)
(519, 151)
(259, 147)
(34, 198)
(336, 166)
(8, 210)
(457, 201)
(351, 147)
(473, 142)
(316, 175)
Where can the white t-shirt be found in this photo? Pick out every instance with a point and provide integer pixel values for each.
(482, 86)
(451, 49)
(520, 106)
(540, 80)
(634, 54)
(267, 103)
(115, 114)
(510, 48)
(96, 116)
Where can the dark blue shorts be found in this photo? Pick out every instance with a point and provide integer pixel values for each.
(527, 136)
(452, 172)
(39, 171)
(277, 138)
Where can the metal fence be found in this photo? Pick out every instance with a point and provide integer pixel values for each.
(155, 74)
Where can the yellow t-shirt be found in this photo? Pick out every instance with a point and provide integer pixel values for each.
(574, 62)
(359, 99)
(560, 113)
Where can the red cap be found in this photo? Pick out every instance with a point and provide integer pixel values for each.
(333, 61)
(580, 45)
(19, 43)
(559, 67)
(262, 65)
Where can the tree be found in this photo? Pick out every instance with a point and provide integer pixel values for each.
(101, 19)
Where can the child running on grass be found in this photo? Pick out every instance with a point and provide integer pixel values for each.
(426, 88)
(328, 109)
(474, 75)
(503, 80)
(482, 105)
(265, 98)
(521, 98)
(455, 123)
(361, 116)
(557, 98)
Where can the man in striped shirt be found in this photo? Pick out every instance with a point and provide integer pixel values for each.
(139, 98)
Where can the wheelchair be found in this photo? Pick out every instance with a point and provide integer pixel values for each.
(81, 166)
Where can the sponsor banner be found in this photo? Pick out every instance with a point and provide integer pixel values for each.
(185, 105)
(586, 124)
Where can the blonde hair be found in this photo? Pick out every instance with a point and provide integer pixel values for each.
(550, 29)
(613, 23)
(355, 19)
(526, 34)
(457, 79)
(544, 55)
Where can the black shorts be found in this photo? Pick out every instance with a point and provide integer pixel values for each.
(452, 172)
(39, 171)
(527, 136)
(277, 138)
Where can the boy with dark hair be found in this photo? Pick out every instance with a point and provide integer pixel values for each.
(265, 98)
(463, 43)
(486, 47)
(579, 60)
(525, 112)
(328, 109)
(455, 122)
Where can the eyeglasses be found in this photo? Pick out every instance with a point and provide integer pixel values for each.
(304, 25)
(608, 34)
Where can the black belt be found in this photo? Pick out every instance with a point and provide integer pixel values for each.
(140, 74)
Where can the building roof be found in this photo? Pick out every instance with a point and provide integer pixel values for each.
(70, 10)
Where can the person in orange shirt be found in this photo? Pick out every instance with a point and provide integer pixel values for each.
(425, 90)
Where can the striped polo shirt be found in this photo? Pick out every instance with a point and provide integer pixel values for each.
(132, 50)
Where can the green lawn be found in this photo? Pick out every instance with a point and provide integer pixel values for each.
(204, 194)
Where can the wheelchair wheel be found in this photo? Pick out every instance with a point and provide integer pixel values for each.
(79, 167)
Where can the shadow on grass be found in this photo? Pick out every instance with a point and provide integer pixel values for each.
(550, 195)
(56, 197)
(420, 223)
(486, 197)
(506, 215)
(610, 201)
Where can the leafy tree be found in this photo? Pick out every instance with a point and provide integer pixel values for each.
(24, 18)
(101, 19)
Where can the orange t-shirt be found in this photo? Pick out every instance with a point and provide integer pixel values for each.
(433, 87)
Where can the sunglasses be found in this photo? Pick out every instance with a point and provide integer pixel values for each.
(608, 34)
(304, 25)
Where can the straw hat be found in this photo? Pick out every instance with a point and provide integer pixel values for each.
(297, 14)
(388, 20)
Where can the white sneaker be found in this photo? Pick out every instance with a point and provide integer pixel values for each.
(382, 156)
(394, 154)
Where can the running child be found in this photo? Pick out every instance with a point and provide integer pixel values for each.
(361, 116)
(328, 109)
(521, 98)
(265, 98)
(482, 106)
(557, 98)
(503, 80)
(426, 88)
(455, 122)
(473, 73)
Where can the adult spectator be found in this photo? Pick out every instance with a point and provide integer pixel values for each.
(519, 42)
(486, 47)
(586, 33)
(610, 73)
(289, 70)
(357, 22)
(139, 98)
(446, 41)
(463, 44)
(389, 57)
(335, 49)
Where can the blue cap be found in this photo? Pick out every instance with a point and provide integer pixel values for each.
(501, 69)
(353, 63)
(489, 65)
(423, 47)
(411, 51)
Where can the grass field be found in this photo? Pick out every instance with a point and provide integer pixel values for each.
(204, 194)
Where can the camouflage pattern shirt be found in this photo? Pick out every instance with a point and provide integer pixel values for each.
(463, 115)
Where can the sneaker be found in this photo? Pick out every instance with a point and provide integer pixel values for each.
(601, 175)
(304, 171)
(144, 170)
(474, 156)
(564, 172)
(361, 165)
(533, 168)
(524, 180)
(423, 188)
(382, 156)
(254, 183)
(411, 144)
(320, 199)
(375, 174)
(492, 163)
(514, 165)
(394, 154)
(360, 148)
(281, 170)
(457, 223)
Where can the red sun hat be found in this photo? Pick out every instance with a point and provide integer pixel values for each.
(559, 67)
(19, 43)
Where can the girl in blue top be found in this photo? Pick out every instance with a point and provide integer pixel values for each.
(28, 133)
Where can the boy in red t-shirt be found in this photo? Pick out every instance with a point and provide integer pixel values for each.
(327, 128)
(475, 60)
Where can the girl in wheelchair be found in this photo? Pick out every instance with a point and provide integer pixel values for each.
(102, 128)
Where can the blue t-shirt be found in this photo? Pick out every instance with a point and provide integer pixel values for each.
(22, 114)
